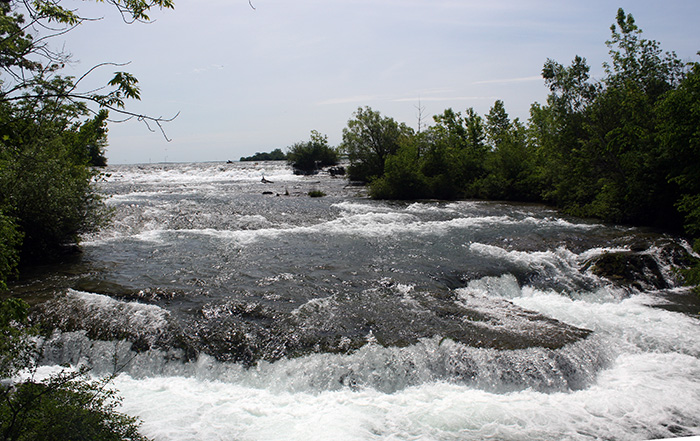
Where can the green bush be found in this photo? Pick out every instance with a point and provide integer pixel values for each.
(46, 177)
(308, 157)
(10, 243)
(66, 406)
(316, 194)
(275, 155)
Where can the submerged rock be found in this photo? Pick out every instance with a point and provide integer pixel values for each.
(107, 319)
(347, 322)
(638, 270)
(629, 269)
(344, 323)
(242, 332)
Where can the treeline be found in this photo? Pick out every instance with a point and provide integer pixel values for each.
(623, 149)
(275, 155)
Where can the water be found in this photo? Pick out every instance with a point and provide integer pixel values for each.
(233, 309)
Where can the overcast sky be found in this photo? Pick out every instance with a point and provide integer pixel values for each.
(247, 81)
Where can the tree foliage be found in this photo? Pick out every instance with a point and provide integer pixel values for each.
(308, 157)
(275, 155)
(624, 149)
(52, 132)
(65, 406)
(368, 140)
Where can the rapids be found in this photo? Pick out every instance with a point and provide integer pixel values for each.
(235, 309)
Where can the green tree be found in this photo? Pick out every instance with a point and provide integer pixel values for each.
(51, 131)
(368, 140)
(508, 165)
(46, 182)
(308, 157)
(10, 243)
(402, 178)
(631, 186)
(275, 155)
(598, 155)
(639, 61)
(455, 157)
(678, 135)
(561, 168)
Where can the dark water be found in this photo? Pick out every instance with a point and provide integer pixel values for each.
(249, 310)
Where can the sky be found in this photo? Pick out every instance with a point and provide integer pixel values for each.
(244, 80)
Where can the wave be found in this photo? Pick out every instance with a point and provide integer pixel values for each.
(199, 173)
(625, 403)
(358, 220)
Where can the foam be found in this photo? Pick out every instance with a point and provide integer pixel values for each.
(201, 173)
(626, 403)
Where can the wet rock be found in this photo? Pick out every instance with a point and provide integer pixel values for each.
(248, 332)
(104, 318)
(629, 269)
(337, 171)
(344, 323)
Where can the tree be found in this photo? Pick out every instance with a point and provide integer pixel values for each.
(456, 154)
(10, 243)
(51, 131)
(275, 155)
(402, 177)
(639, 61)
(570, 87)
(368, 140)
(598, 155)
(308, 157)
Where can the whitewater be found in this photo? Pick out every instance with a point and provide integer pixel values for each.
(228, 308)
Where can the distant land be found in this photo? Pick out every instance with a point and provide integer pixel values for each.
(275, 155)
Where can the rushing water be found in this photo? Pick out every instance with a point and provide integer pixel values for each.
(235, 309)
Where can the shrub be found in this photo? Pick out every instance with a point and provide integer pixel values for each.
(10, 242)
(316, 194)
(308, 157)
(66, 406)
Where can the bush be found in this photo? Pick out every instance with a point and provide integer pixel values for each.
(402, 178)
(316, 194)
(308, 157)
(275, 155)
(66, 406)
(368, 140)
(10, 242)
(46, 178)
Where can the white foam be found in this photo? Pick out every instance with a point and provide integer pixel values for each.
(630, 324)
(133, 315)
(201, 173)
(641, 396)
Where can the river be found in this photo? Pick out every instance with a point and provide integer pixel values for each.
(235, 309)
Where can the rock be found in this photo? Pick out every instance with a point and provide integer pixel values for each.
(629, 269)
(344, 323)
(337, 171)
